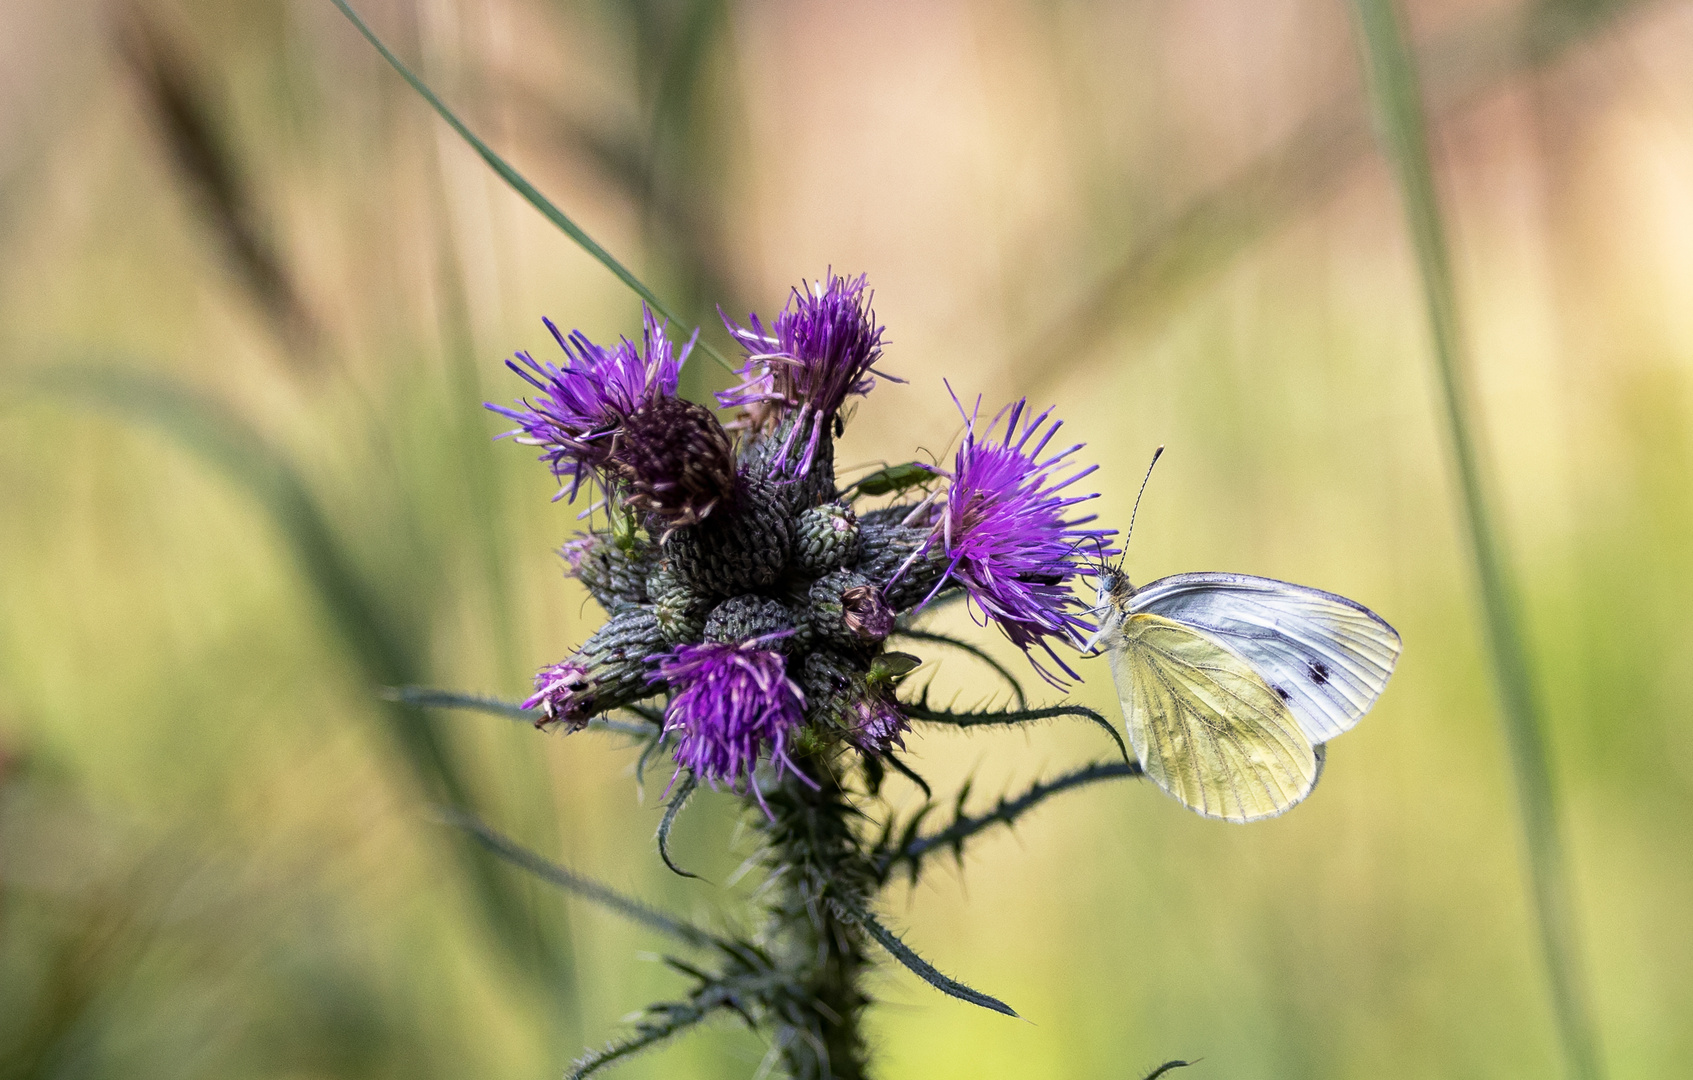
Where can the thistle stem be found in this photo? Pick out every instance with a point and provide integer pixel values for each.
(815, 857)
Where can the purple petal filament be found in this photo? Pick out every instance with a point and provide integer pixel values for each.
(818, 351)
(728, 705)
(579, 408)
(1005, 533)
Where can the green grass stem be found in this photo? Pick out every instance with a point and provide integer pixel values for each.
(1400, 125)
(523, 187)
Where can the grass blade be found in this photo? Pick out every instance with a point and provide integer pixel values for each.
(1400, 123)
(587, 888)
(185, 111)
(523, 187)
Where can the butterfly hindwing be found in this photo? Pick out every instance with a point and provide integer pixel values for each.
(1326, 656)
(1207, 728)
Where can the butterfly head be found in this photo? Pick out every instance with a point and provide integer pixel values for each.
(1112, 603)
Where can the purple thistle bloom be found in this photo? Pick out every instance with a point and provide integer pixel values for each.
(583, 406)
(562, 694)
(728, 704)
(820, 349)
(877, 725)
(576, 551)
(1005, 534)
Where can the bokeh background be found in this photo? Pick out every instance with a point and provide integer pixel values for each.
(253, 293)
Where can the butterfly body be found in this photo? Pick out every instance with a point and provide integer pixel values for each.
(1231, 685)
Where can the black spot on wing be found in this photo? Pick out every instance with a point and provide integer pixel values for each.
(1283, 694)
(1318, 671)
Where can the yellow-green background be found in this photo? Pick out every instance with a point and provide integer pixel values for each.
(212, 861)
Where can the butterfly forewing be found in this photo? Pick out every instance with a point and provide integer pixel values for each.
(1206, 727)
(1327, 657)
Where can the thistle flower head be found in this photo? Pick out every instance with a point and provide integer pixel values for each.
(563, 693)
(866, 613)
(673, 461)
(876, 724)
(729, 703)
(580, 408)
(1005, 533)
(819, 350)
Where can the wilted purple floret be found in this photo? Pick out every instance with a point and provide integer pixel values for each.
(820, 349)
(728, 704)
(1005, 533)
(582, 406)
(877, 725)
(561, 693)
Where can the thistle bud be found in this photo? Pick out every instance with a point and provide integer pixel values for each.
(680, 613)
(744, 618)
(825, 538)
(903, 560)
(771, 456)
(846, 610)
(866, 615)
(729, 705)
(859, 707)
(819, 351)
(614, 575)
(739, 549)
(609, 671)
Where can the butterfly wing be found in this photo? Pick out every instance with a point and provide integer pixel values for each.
(1327, 656)
(1206, 726)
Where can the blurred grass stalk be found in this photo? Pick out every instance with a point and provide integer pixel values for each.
(1400, 126)
(384, 650)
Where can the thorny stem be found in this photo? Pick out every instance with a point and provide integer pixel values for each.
(815, 857)
(1005, 813)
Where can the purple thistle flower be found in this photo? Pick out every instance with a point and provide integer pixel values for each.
(582, 407)
(877, 725)
(578, 550)
(820, 349)
(562, 693)
(729, 703)
(1005, 534)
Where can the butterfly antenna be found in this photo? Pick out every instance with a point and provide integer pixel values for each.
(1099, 554)
(1156, 454)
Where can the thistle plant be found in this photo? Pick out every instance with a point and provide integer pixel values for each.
(758, 614)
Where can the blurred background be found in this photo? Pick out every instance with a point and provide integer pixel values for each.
(253, 294)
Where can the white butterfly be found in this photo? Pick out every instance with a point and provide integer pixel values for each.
(1231, 684)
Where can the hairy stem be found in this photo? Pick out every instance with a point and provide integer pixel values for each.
(817, 864)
